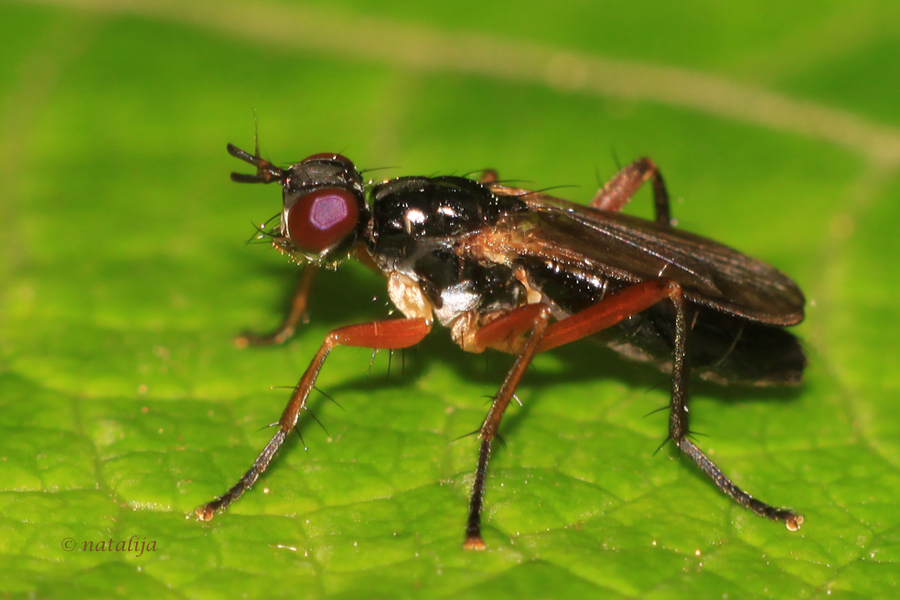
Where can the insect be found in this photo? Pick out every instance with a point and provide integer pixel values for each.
(523, 272)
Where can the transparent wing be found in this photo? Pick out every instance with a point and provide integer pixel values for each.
(628, 248)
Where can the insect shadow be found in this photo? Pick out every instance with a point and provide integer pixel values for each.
(587, 361)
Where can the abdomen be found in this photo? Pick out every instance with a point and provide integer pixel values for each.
(721, 347)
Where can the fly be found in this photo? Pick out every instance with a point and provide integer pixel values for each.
(523, 272)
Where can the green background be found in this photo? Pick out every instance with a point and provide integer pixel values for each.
(124, 275)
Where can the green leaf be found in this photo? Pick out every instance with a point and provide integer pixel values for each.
(124, 275)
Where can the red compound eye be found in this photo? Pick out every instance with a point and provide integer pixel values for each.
(321, 219)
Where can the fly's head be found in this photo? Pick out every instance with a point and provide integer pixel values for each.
(324, 213)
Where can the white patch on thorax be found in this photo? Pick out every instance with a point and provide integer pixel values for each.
(458, 299)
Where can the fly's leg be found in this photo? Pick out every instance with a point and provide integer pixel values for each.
(631, 301)
(399, 333)
(679, 427)
(502, 334)
(544, 336)
(619, 190)
(266, 172)
(489, 176)
(286, 330)
(533, 318)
